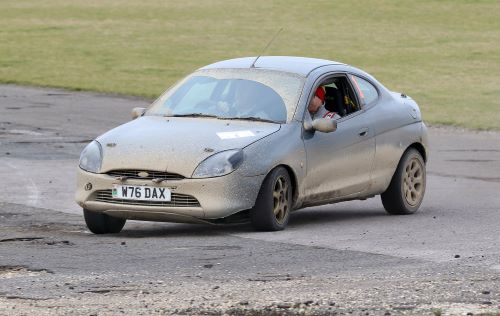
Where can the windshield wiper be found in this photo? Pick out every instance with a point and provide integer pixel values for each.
(248, 118)
(192, 115)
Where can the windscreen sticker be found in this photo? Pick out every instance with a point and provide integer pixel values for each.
(236, 134)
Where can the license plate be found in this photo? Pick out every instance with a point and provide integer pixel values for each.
(140, 193)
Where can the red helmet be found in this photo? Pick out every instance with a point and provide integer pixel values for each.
(320, 93)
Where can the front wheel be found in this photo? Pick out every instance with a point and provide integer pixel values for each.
(407, 188)
(274, 202)
(100, 223)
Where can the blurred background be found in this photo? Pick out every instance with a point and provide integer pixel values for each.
(445, 54)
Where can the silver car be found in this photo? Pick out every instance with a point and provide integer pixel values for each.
(236, 141)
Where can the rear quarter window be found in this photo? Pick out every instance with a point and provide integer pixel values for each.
(366, 90)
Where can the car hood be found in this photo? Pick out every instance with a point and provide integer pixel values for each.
(175, 144)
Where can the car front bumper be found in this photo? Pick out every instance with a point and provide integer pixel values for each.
(193, 200)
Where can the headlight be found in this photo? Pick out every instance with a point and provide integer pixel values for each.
(219, 164)
(91, 157)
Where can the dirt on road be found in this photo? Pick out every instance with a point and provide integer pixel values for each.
(51, 265)
(345, 259)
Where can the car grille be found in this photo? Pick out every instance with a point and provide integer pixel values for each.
(177, 200)
(134, 174)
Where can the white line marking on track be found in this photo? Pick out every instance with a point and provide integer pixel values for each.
(34, 192)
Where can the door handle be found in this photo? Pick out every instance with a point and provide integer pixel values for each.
(363, 132)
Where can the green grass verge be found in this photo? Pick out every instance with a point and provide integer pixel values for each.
(445, 54)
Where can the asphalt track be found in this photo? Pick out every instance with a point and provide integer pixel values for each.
(456, 230)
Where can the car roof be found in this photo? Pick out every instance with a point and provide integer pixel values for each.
(299, 65)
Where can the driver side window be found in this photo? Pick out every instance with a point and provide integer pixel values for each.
(339, 96)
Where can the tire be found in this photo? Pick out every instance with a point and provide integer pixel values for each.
(407, 188)
(274, 202)
(100, 223)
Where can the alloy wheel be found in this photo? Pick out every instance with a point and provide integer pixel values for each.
(413, 182)
(280, 199)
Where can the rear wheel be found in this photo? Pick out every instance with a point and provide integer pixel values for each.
(100, 223)
(407, 188)
(274, 202)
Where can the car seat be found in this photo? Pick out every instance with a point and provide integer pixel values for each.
(333, 101)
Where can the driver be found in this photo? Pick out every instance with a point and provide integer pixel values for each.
(317, 106)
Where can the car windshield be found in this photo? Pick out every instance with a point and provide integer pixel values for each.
(247, 94)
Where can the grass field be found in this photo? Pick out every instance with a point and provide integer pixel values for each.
(445, 54)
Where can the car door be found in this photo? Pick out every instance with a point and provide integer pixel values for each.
(339, 163)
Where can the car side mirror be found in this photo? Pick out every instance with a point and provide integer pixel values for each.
(325, 125)
(137, 112)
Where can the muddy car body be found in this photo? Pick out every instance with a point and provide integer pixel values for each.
(204, 163)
